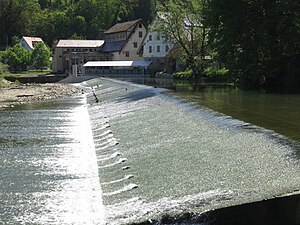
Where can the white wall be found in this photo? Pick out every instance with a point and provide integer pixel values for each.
(132, 49)
(153, 40)
(25, 45)
(57, 61)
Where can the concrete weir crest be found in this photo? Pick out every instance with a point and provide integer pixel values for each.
(178, 157)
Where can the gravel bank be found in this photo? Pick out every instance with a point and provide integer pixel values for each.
(21, 94)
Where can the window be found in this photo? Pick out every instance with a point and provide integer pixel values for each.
(150, 49)
(158, 37)
(140, 25)
(140, 34)
(135, 44)
(158, 48)
(150, 37)
(126, 54)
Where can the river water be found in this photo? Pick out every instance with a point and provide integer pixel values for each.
(122, 153)
(48, 169)
(279, 112)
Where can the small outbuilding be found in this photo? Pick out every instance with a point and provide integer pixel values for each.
(29, 42)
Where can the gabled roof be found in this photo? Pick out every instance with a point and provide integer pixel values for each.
(80, 43)
(32, 40)
(120, 27)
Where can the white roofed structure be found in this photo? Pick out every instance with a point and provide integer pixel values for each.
(116, 68)
(117, 64)
(68, 53)
(80, 43)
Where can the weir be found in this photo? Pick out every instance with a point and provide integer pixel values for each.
(48, 169)
(159, 157)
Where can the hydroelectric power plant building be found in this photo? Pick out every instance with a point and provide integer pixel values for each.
(128, 41)
(122, 42)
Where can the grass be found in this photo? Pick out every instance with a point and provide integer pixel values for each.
(4, 83)
(29, 72)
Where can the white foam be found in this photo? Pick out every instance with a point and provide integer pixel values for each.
(127, 177)
(122, 160)
(129, 187)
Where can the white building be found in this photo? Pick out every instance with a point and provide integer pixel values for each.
(69, 53)
(156, 49)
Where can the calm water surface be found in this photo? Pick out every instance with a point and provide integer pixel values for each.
(278, 112)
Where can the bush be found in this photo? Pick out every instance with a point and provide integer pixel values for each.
(222, 75)
(186, 75)
(3, 68)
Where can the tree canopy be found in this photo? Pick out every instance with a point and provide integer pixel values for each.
(259, 41)
(41, 56)
(182, 22)
(17, 57)
(57, 19)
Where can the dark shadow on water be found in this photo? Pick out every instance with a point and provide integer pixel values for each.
(139, 95)
(279, 211)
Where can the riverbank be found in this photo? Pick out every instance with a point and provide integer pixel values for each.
(14, 93)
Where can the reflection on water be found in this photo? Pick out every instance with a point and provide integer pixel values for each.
(278, 112)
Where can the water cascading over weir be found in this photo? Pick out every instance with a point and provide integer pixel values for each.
(159, 157)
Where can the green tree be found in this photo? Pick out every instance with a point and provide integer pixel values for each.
(3, 68)
(17, 18)
(17, 58)
(259, 41)
(41, 56)
(182, 22)
(56, 19)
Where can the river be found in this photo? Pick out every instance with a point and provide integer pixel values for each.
(275, 111)
(122, 153)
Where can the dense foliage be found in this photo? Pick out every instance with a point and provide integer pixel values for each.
(41, 56)
(19, 59)
(258, 41)
(57, 19)
(182, 22)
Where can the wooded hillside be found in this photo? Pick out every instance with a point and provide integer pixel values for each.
(62, 19)
(257, 41)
